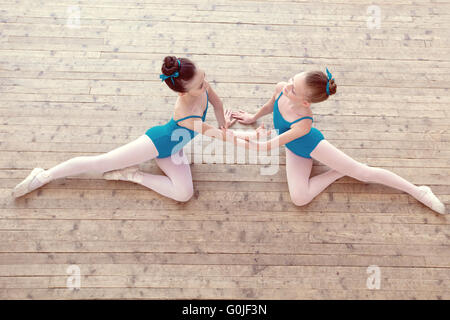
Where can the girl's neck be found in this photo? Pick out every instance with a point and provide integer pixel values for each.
(296, 106)
(188, 102)
(188, 98)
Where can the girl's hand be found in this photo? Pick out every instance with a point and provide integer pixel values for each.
(228, 118)
(243, 117)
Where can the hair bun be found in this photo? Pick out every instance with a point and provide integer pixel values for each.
(332, 87)
(170, 65)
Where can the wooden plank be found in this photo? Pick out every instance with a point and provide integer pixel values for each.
(324, 215)
(253, 233)
(137, 281)
(55, 268)
(217, 293)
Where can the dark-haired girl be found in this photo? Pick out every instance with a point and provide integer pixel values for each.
(163, 143)
(292, 117)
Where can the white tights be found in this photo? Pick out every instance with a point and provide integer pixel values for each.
(176, 185)
(178, 182)
(303, 189)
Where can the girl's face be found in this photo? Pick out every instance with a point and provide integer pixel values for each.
(198, 84)
(296, 89)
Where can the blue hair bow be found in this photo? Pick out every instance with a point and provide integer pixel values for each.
(163, 77)
(173, 75)
(330, 77)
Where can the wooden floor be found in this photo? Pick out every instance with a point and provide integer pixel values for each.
(68, 91)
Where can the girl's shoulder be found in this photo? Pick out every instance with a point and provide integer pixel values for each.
(278, 88)
(180, 110)
(183, 109)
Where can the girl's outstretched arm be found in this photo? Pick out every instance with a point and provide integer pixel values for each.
(218, 109)
(261, 131)
(196, 124)
(246, 135)
(298, 130)
(247, 118)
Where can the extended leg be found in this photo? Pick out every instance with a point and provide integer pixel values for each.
(132, 153)
(328, 154)
(137, 151)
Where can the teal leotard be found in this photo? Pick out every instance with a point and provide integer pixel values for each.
(302, 146)
(171, 137)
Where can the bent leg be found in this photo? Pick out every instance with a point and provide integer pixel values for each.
(329, 155)
(176, 185)
(302, 188)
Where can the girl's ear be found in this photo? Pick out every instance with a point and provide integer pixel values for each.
(181, 93)
(306, 103)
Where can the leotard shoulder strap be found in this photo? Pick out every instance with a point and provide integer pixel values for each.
(279, 96)
(187, 118)
(207, 103)
(301, 119)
